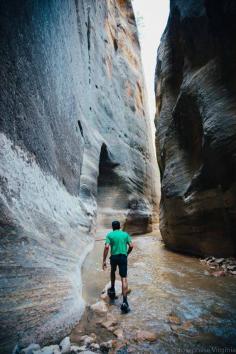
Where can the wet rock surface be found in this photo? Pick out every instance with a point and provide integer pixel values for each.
(196, 129)
(75, 141)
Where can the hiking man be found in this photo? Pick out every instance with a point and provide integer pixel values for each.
(121, 245)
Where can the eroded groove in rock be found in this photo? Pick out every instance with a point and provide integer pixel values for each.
(196, 127)
(71, 86)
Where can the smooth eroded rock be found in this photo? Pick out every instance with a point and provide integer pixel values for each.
(196, 127)
(75, 147)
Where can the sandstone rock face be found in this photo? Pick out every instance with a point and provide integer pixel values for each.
(196, 127)
(75, 137)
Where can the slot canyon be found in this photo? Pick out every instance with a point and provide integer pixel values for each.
(77, 152)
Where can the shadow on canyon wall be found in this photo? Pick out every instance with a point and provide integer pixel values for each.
(196, 127)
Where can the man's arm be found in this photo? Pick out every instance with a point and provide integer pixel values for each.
(131, 246)
(129, 243)
(105, 253)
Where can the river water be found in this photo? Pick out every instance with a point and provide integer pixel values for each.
(172, 295)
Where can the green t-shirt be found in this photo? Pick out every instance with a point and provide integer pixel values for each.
(118, 241)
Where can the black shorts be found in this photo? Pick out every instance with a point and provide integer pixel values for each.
(119, 260)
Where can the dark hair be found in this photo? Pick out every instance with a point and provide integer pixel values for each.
(115, 225)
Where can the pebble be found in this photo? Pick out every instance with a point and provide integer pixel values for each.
(119, 333)
(30, 349)
(88, 339)
(109, 325)
(51, 349)
(107, 345)
(145, 336)
(94, 346)
(104, 296)
(100, 307)
(187, 325)
(74, 349)
(219, 260)
(231, 267)
(65, 345)
(173, 319)
(220, 273)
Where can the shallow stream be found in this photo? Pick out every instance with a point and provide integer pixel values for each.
(172, 295)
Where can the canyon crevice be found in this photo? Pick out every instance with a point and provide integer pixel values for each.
(196, 127)
(75, 142)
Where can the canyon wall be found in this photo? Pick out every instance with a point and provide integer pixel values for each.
(74, 137)
(196, 127)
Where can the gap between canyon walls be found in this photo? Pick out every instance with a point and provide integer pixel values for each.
(72, 99)
(112, 192)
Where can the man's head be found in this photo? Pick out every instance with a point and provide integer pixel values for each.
(115, 225)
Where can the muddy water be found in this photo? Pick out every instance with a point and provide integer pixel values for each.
(172, 295)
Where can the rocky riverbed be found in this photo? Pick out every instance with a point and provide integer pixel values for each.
(176, 305)
(220, 266)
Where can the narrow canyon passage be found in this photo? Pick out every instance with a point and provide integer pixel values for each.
(112, 200)
(171, 295)
(77, 150)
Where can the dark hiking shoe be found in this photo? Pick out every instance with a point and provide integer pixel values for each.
(111, 293)
(125, 308)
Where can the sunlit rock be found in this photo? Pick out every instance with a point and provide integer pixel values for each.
(75, 141)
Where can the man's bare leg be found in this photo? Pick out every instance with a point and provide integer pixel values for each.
(125, 306)
(124, 282)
